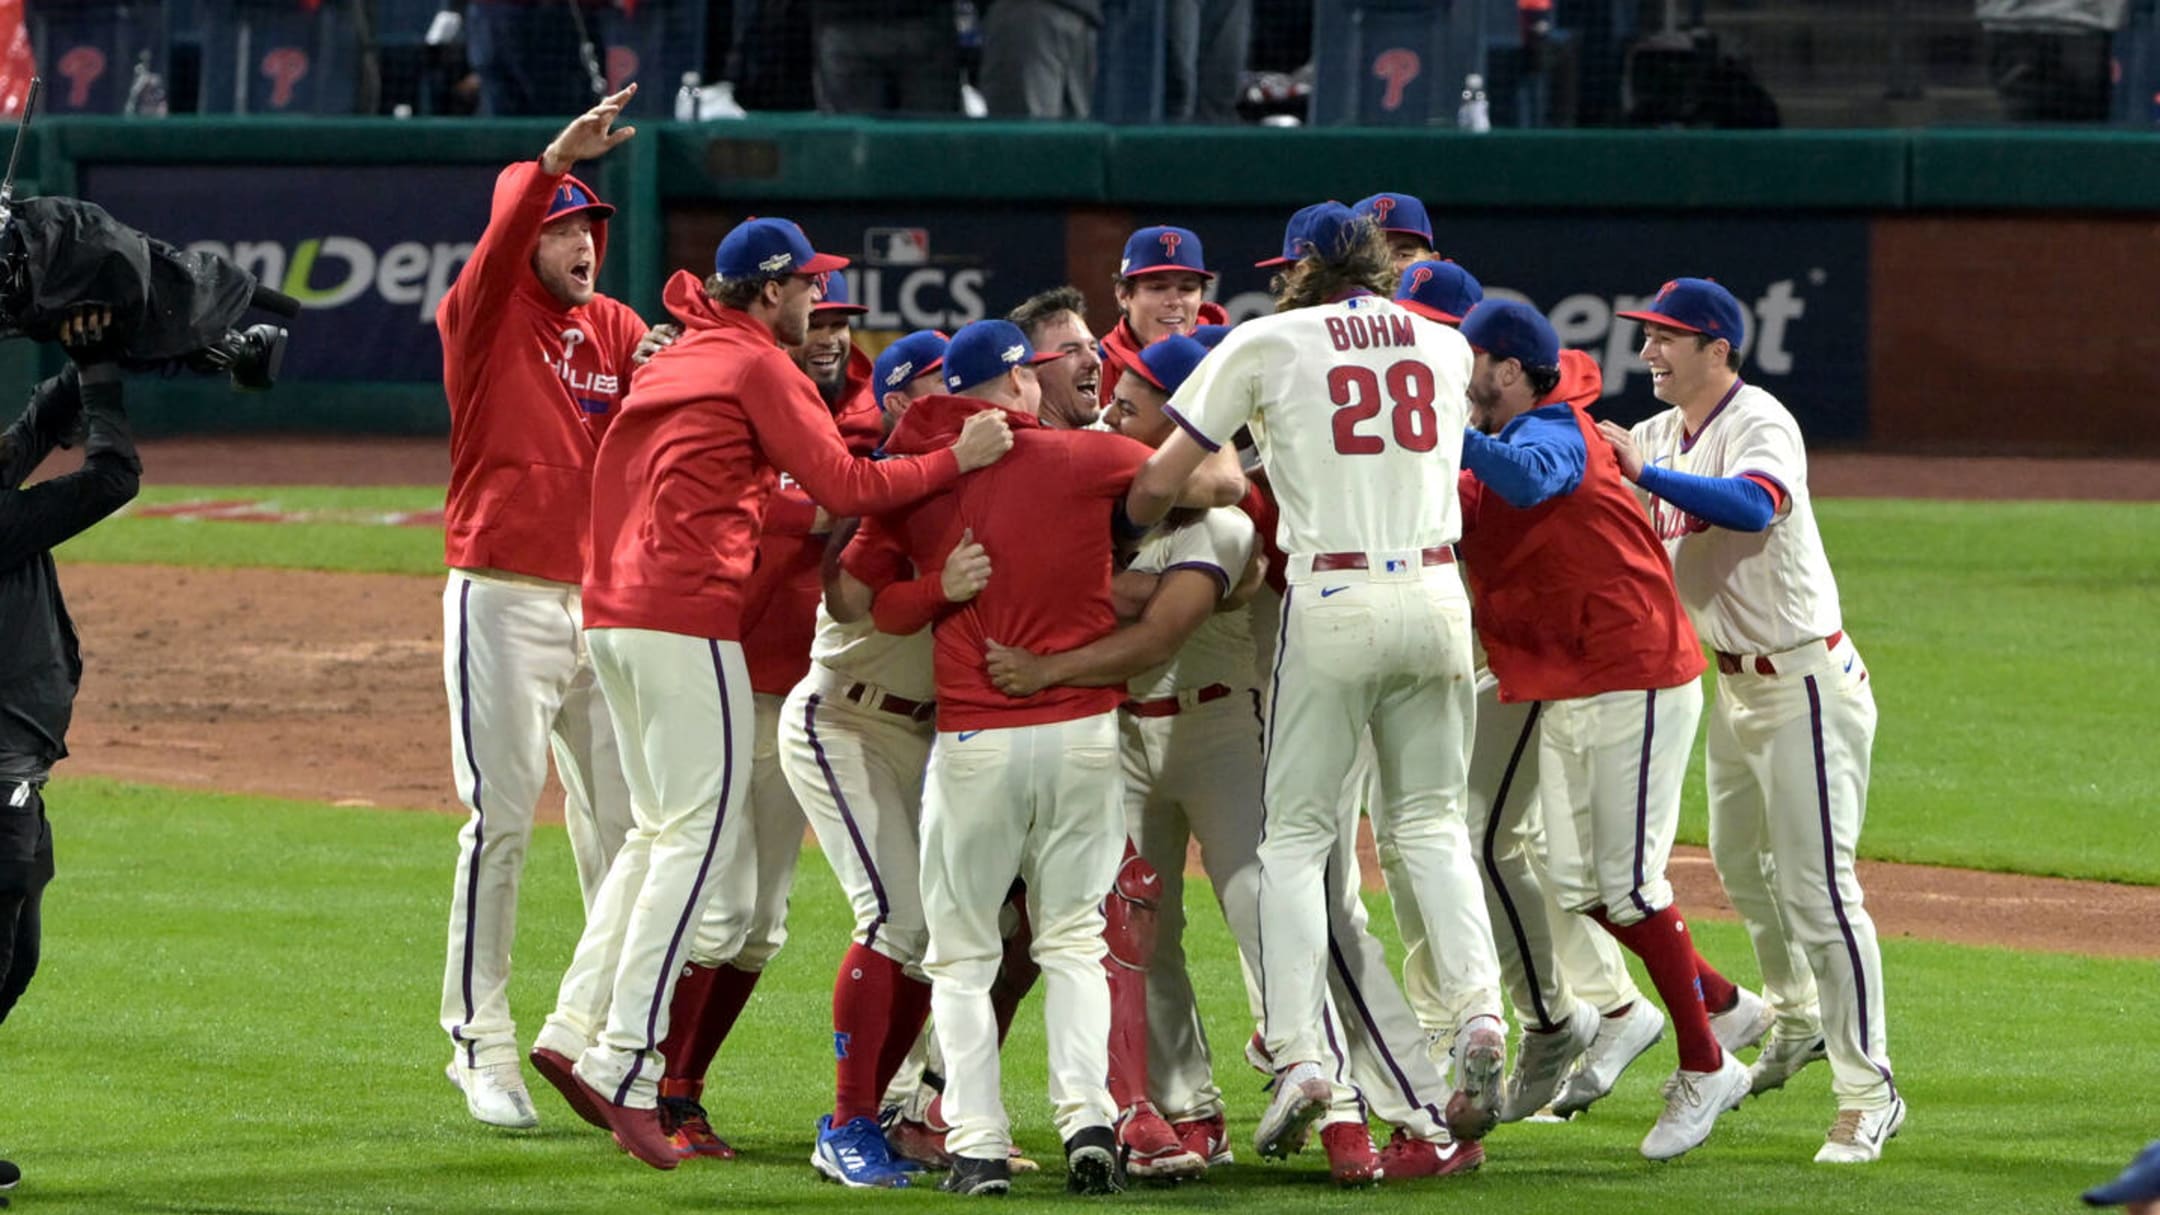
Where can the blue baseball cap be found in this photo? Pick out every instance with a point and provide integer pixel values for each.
(984, 350)
(902, 363)
(571, 197)
(768, 248)
(1441, 290)
(1698, 305)
(1510, 329)
(1167, 361)
(1210, 336)
(2139, 1181)
(1297, 235)
(836, 298)
(1397, 213)
(1160, 249)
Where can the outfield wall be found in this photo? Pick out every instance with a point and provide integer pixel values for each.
(1911, 290)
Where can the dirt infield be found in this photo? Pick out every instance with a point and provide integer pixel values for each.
(328, 687)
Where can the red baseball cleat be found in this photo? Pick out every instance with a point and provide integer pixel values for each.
(1206, 1138)
(1152, 1150)
(554, 1067)
(637, 1131)
(1406, 1158)
(690, 1131)
(1350, 1156)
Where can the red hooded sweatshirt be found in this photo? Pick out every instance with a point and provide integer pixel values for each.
(780, 604)
(1574, 596)
(1121, 347)
(684, 475)
(1043, 513)
(532, 386)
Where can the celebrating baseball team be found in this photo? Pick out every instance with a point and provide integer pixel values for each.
(1014, 618)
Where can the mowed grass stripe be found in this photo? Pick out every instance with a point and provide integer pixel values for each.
(238, 1014)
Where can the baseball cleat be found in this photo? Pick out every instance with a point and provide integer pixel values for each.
(1152, 1149)
(1091, 1162)
(1406, 1158)
(1693, 1101)
(977, 1177)
(1542, 1061)
(495, 1094)
(1351, 1160)
(1206, 1138)
(855, 1155)
(1620, 1041)
(1781, 1059)
(1257, 1056)
(1745, 1023)
(919, 1142)
(1480, 1062)
(9, 1175)
(690, 1130)
(637, 1130)
(555, 1068)
(1858, 1136)
(1301, 1096)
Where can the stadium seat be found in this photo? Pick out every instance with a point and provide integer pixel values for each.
(1394, 62)
(277, 57)
(89, 49)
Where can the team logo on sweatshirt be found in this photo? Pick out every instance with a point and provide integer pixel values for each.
(570, 339)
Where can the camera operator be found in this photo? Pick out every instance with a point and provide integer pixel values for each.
(40, 661)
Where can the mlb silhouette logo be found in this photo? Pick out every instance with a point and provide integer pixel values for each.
(1396, 565)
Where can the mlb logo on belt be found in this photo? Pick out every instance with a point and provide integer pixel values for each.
(1396, 565)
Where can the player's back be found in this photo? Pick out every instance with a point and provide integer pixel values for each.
(1358, 410)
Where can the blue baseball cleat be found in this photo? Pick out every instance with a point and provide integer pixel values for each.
(855, 1155)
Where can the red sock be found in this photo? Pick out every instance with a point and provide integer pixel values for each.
(1718, 992)
(863, 1006)
(1668, 953)
(1128, 1035)
(686, 1012)
(730, 991)
(910, 1010)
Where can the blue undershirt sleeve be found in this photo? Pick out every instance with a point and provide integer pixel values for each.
(1540, 458)
(1735, 503)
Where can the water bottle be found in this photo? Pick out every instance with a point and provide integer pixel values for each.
(1475, 113)
(686, 98)
(146, 92)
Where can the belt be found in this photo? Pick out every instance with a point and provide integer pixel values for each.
(1171, 706)
(1439, 554)
(870, 696)
(1733, 664)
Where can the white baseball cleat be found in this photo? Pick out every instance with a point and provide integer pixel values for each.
(1857, 1137)
(1693, 1101)
(1745, 1023)
(1301, 1096)
(1480, 1058)
(495, 1094)
(1620, 1041)
(1781, 1059)
(1542, 1062)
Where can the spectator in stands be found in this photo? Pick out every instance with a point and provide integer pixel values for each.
(882, 56)
(1208, 41)
(1039, 57)
(529, 56)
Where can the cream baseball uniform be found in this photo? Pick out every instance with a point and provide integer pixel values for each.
(855, 757)
(1192, 771)
(1790, 735)
(1357, 408)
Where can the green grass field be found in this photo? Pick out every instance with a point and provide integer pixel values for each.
(237, 1015)
(2013, 646)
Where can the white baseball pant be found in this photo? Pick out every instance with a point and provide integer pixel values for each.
(1043, 803)
(1195, 775)
(1613, 764)
(1787, 769)
(1391, 650)
(858, 775)
(763, 865)
(682, 706)
(520, 684)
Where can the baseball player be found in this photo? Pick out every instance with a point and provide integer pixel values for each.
(535, 363)
(1576, 609)
(779, 614)
(1358, 405)
(1402, 219)
(1019, 788)
(1161, 289)
(1055, 322)
(1725, 474)
(680, 490)
(854, 736)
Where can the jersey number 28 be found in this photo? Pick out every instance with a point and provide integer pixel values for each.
(1357, 397)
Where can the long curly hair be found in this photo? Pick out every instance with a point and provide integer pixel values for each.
(1362, 260)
